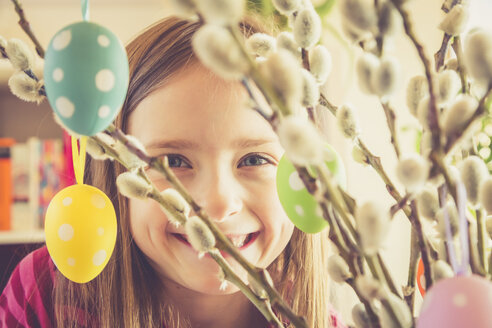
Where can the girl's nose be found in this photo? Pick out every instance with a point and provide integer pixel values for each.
(220, 196)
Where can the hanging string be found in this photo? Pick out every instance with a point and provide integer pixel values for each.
(78, 158)
(85, 9)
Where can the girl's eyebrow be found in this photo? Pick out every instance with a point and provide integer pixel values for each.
(187, 144)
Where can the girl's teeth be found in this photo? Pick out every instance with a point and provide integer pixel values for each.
(238, 241)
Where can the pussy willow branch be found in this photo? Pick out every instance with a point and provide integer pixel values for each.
(263, 305)
(482, 252)
(422, 245)
(28, 72)
(409, 289)
(432, 117)
(24, 24)
(223, 243)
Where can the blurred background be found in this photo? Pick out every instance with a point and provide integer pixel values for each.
(39, 141)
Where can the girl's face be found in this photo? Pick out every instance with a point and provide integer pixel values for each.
(226, 155)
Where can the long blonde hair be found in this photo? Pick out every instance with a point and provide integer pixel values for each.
(127, 293)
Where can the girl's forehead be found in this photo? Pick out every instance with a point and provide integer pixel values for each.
(197, 105)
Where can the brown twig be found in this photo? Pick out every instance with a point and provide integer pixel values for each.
(24, 24)
(390, 119)
(409, 289)
(440, 55)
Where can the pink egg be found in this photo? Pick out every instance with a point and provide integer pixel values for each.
(458, 302)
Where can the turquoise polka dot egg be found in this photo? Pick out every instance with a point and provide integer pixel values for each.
(86, 77)
(299, 205)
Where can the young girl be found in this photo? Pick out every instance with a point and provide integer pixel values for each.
(226, 156)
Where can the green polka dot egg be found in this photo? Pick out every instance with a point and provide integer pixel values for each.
(86, 77)
(80, 229)
(298, 203)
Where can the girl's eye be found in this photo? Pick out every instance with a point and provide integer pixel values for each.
(254, 160)
(177, 161)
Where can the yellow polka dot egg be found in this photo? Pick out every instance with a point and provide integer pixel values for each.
(80, 228)
(86, 77)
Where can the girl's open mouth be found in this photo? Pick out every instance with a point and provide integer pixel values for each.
(240, 241)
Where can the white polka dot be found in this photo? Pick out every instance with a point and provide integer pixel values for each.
(65, 107)
(460, 300)
(103, 40)
(105, 80)
(58, 74)
(65, 232)
(295, 182)
(98, 201)
(99, 257)
(62, 40)
(71, 261)
(67, 201)
(104, 111)
(100, 231)
(299, 210)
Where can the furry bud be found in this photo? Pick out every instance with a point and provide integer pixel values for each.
(359, 156)
(423, 112)
(449, 85)
(402, 313)
(485, 195)
(460, 111)
(388, 19)
(307, 28)
(286, 7)
(221, 12)
(217, 50)
(310, 94)
(19, 54)
(174, 198)
(132, 185)
(359, 14)
(347, 121)
(184, 8)
(338, 269)
(473, 173)
(282, 70)
(372, 224)
(131, 160)
(417, 89)
(455, 21)
(366, 67)
(25, 88)
(285, 40)
(428, 203)
(199, 234)
(385, 78)
(320, 63)
(441, 270)
(360, 316)
(302, 143)
(477, 55)
(95, 150)
(261, 44)
(3, 45)
(412, 171)
(369, 288)
(452, 213)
